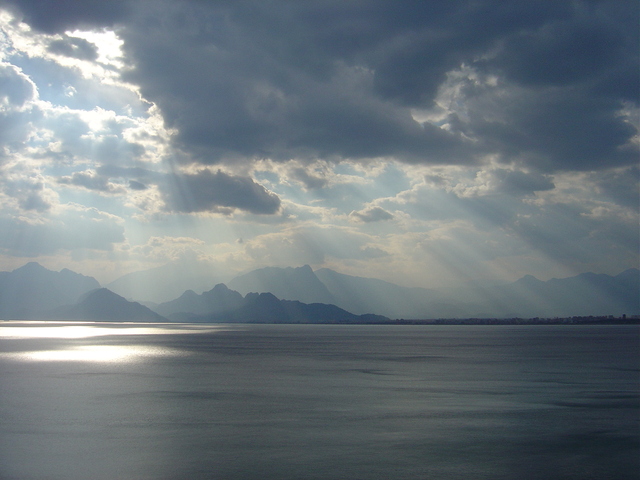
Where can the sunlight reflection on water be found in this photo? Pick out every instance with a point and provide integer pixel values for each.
(90, 352)
(94, 353)
(85, 330)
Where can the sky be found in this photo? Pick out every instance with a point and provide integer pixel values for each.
(423, 143)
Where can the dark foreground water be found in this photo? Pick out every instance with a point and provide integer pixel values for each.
(98, 401)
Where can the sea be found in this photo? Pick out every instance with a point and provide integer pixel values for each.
(184, 401)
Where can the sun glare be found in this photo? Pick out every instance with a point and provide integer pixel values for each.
(94, 353)
(88, 352)
(56, 330)
(108, 44)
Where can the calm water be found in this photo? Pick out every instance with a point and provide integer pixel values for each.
(97, 401)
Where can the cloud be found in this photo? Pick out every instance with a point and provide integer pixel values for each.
(74, 47)
(94, 137)
(164, 249)
(17, 93)
(218, 193)
(313, 245)
(515, 182)
(621, 186)
(134, 185)
(73, 228)
(307, 80)
(371, 214)
(308, 179)
(577, 235)
(27, 192)
(68, 14)
(563, 52)
(91, 181)
(254, 91)
(16, 89)
(489, 132)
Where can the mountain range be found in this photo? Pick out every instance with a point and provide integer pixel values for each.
(301, 295)
(582, 295)
(102, 305)
(32, 289)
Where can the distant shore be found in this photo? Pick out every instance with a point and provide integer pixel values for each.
(590, 320)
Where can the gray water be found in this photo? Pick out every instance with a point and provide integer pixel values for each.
(126, 401)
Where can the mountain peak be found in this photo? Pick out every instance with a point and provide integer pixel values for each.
(218, 299)
(100, 294)
(104, 305)
(31, 267)
(299, 283)
(631, 273)
(32, 289)
(529, 280)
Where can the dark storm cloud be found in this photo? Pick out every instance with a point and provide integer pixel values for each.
(60, 15)
(217, 192)
(555, 128)
(262, 81)
(74, 47)
(623, 187)
(228, 98)
(521, 183)
(311, 182)
(333, 80)
(597, 47)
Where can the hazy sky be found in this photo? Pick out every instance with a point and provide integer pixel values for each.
(421, 142)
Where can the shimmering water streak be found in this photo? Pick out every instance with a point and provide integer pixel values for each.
(39, 329)
(93, 352)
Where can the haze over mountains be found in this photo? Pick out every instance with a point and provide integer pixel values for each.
(302, 295)
(163, 283)
(32, 289)
(582, 295)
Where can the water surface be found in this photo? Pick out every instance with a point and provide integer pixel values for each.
(132, 401)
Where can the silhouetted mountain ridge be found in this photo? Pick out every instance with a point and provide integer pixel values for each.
(218, 300)
(267, 308)
(102, 305)
(288, 283)
(166, 282)
(582, 295)
(32, 289)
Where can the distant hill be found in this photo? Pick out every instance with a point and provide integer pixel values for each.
(32, 289)
(285, 283)
(102, 305)
(219, 299)
(582, 295)
(164, 283)
(267, 308)
(357, 295)
(302, 295)
(364, 295)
